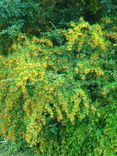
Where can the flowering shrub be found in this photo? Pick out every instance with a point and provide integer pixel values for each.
(60, 99)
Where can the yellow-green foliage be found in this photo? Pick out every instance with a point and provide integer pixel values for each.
(78, 37)
(60, 100)
(110, 26)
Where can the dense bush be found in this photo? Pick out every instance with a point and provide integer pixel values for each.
(58, 91)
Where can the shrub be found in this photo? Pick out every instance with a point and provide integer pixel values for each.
(60, 98)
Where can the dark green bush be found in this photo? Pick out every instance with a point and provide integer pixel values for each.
(17, 16)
